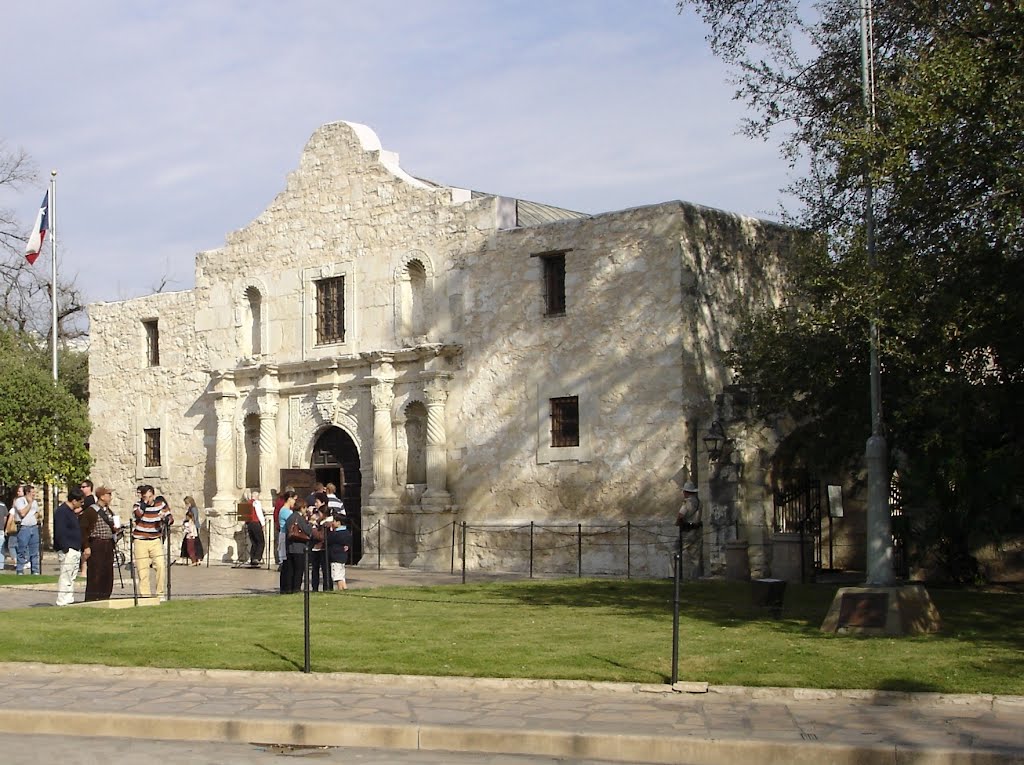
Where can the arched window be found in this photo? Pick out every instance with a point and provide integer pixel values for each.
(253, 329)
(416, 438)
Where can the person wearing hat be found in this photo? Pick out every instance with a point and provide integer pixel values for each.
(98, 529)
(689, 511)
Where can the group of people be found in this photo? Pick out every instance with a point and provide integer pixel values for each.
(19, 538)
(315, 529)
(86, 530)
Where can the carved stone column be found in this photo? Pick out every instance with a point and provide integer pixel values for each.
(268, 443)
(436, 494)
(226, 495)
(383, 396)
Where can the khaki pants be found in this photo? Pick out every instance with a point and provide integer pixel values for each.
(150, 552)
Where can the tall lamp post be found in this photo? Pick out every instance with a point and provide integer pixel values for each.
(879, 541)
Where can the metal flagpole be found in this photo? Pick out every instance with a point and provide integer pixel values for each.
(53, 269)
(879, 541)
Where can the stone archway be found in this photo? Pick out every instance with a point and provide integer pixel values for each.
(335, 459)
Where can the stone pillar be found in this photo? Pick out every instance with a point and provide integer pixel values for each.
(436, 496)
(383, 396)
(268, 444)
(226, 494)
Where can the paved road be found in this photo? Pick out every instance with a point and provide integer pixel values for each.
(28, 750)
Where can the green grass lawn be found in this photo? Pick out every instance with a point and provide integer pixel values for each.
(6, 579)
(578, 629)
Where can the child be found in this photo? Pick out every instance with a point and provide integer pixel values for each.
(191, 533)
(339, 540)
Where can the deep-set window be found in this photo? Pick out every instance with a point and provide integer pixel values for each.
(565, 421)
(152, 342)
(554, 283)
(152, 447)
(330, 310)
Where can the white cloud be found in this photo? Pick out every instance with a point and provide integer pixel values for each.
(173, 124)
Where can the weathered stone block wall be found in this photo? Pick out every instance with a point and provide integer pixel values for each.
(126, 395)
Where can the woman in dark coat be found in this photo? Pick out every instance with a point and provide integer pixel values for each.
(294, 566)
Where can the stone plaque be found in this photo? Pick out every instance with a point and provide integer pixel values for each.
(863, 609)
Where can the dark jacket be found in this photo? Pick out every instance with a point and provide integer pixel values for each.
(297, 519)
(67, 533)
(338, 542)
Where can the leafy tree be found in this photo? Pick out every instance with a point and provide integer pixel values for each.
(43, 427)
(946, 157)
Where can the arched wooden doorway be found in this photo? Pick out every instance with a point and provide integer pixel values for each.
(335, 460)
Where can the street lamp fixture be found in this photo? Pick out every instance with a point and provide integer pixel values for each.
(714, 441)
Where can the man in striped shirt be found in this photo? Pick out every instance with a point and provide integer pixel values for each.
(147, 541)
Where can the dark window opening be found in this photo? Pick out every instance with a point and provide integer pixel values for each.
(330, 310)
(565, 421)
(152, 447)
(152, 342)
(554, 284)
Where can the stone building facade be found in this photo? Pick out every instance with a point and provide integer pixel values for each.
(446, 356)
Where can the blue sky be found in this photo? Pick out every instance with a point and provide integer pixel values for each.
(174, 123)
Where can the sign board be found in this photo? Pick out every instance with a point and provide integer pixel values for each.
(863, 609)
(835, 501)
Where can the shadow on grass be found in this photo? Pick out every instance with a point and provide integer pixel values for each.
(977, 617)
(279, 655)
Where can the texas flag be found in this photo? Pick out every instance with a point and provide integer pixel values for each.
(35, 241)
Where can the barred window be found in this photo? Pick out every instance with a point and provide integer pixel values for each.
(152, 342)
(152, 447)
(554, 284)
(565, 421)
(330, 310)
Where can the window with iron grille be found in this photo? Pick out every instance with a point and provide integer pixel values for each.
(330, 310)
(152, 342)
(565, 421)
(152, 447)
(554, 283)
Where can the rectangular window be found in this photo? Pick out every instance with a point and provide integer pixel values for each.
(152, 447)
(152, 342)
(330, 310)
(565, 421)
(554, 284)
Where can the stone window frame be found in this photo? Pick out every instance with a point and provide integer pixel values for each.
(310, 276)
(151, 340)
(553, 270)
(587, 405)
(152, 424)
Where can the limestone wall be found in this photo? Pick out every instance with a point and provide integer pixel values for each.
(435, 291)
(127, 396)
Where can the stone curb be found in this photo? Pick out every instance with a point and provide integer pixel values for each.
(558, 744)
(985, 701)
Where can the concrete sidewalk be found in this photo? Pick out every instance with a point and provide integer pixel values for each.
(567, 719)
(574, 720)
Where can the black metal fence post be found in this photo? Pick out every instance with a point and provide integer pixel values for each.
(305, 614)
(378, 545)
(675, 618)
(463, 552)
(167, 561)
(628, 528)
(579, 549)
(531, 549)
(453, 546)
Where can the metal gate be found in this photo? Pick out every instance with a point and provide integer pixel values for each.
(798, 511)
